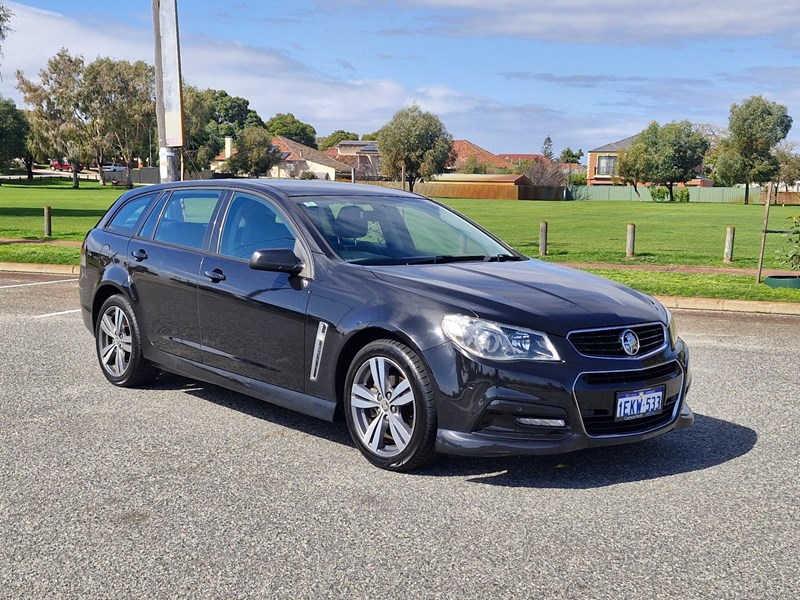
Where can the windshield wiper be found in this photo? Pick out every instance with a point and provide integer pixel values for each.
(434, 259)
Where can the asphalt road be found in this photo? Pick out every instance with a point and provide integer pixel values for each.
(185, 490)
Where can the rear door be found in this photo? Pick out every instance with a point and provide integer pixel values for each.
(165, 263)
(253, 322)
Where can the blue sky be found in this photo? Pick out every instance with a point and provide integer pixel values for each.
(501, 73)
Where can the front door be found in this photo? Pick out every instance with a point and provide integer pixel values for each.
(252, 322)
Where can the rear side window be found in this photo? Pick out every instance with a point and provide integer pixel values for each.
(186, 217)
(127, 217)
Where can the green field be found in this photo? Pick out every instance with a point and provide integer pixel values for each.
(74, 211)
(666, 233)
(592, 232)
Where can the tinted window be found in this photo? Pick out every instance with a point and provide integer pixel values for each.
(387, 231)
(186, 216)
(253, 224)
(128, 216)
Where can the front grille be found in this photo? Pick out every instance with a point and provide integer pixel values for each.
(667, 370)
(606, 343)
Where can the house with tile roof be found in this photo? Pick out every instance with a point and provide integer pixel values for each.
(361, 155)
(464, 150)
(603, 163)
(297, 158)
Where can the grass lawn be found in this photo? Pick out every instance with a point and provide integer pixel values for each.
(74, 211)
(667, 234)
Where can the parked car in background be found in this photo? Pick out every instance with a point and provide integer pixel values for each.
(63, 165)
(113, 167)
(422, 330)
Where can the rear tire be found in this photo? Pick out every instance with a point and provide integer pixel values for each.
(118, 341)
(390, 407)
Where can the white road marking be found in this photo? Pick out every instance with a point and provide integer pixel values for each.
(55, 314)
(16, 285)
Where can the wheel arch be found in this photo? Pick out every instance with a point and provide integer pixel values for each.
(103, 293)
(353, 346)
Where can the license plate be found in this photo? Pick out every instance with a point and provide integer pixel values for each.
(638, 404)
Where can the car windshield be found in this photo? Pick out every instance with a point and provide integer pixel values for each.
(376, 230)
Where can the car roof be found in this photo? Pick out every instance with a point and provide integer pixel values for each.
(293, 187)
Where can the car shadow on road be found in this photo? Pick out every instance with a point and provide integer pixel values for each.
(708, 443)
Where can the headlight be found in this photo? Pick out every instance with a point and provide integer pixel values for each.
(672, 329)
(496, 341)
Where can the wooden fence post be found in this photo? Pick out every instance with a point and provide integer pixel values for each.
(48, 226)
(543, 238)
(631, 241)
(731, 233)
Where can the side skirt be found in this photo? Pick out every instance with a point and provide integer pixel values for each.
(297, 401)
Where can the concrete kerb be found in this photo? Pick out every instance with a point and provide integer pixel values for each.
(39, 268)
(713, 304)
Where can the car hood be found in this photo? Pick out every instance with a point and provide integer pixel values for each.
(528, 293)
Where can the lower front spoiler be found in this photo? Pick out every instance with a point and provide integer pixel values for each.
(483, 444)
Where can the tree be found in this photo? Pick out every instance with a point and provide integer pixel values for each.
(14, 131)
(747, 156)
(55, 118)
(547, 148)
(287, 125)
(255, 153)
(370, 137)
(117, 99)
(542, 172)
(664, 155)
(5, 17)
(414, 143)
(789, 165)
(333, 139)
(473, 166)
(570, 157)
(202, 139)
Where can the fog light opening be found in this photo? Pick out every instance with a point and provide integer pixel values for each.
(531, 422)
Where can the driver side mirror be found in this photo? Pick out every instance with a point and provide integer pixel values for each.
(281, 260)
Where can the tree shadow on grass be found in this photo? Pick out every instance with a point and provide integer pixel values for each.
(709, 443)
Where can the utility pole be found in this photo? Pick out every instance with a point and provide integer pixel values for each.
(169, 97)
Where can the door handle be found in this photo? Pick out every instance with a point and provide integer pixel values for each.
(216, 275)
(139, 255)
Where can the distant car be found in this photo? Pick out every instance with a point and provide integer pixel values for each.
(113, 167)
(63, 165)
(422, 330)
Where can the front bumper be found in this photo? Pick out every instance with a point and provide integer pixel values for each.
(485, 409)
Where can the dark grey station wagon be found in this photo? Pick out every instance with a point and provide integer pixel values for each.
(425, 332)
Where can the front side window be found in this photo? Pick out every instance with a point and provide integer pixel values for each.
(186, 216)
(253, 224)
(378, 230)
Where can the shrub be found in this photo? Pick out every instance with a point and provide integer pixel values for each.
(791, 255)
(308, 175)
(659, 194)
(681, 194)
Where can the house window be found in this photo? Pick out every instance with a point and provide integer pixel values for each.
(606, 166)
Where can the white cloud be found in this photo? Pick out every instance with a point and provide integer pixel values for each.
(271, 79)
(617, 22)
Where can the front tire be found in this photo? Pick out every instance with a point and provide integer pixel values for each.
(390, 407)
(118, 341)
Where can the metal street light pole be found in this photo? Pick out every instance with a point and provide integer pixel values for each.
(169, 101)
